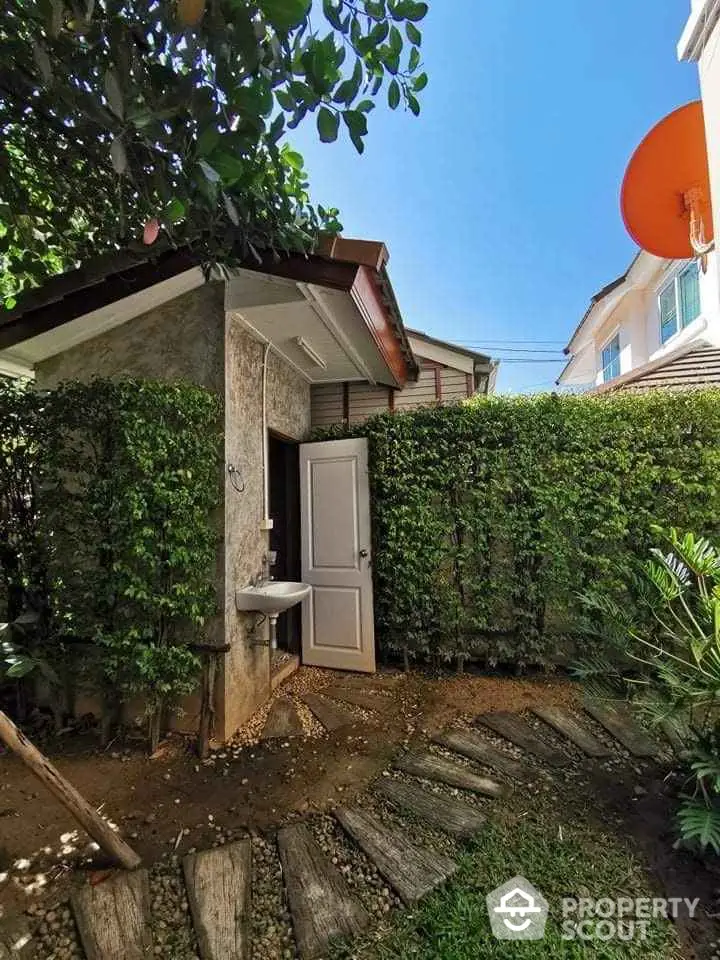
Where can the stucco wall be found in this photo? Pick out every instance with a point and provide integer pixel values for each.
(246, 677)
(182, 340)
(190, 339)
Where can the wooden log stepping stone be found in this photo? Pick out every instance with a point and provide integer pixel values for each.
(459, 819)
(566, 725)
(113, 917)
(471, 744)
(366, 700)
(283, 720)
(431, 767)
(619, 724)
(330, 714)
(518, 731)
(411, 870)
(321, 904)
(218, 884)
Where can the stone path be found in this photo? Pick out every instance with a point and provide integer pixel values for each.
(324, 899)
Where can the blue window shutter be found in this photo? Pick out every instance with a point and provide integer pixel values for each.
(668, 313)
(689, 294)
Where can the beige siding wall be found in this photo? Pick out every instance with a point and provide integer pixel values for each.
(326, 404)
(454, 385)
(364, 399)
(190, 339)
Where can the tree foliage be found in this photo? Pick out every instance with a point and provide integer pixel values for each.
(125, 120)
(490, 518)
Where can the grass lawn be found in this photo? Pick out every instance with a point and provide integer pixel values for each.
(579, 861)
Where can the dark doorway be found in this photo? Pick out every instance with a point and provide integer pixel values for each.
(284, 471)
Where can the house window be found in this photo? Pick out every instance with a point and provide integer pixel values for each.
(679, 302)
(611, 359)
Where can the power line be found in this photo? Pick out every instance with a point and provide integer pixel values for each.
(498, 340)
(526, 350)
(528, 360)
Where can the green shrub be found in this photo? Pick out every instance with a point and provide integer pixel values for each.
(126, 479)
(491, 517)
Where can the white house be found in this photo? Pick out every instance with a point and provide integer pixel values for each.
(700, 43)
(654, 311)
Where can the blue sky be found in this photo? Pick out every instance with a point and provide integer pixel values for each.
(499, 204)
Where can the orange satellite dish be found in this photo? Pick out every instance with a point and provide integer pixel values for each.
(665, 198)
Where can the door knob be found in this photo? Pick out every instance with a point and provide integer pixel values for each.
(363, 553)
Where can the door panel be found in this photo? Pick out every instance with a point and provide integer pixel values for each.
(338, 629)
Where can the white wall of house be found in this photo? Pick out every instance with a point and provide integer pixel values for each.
(632, 313)
(700, 42)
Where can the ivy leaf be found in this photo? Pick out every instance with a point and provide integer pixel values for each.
(328, 124)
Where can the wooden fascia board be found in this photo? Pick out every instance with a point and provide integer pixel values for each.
(85, 300)
(368, 298)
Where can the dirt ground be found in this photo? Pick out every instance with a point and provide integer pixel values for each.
(175, 802)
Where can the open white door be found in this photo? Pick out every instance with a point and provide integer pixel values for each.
(337, 625)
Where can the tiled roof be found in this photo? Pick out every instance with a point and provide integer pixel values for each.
(692, 368)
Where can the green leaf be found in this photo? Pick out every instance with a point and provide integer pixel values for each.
(114, 94)
(294, 158)
(207, 141)
(415, 11)
(210, 173)
(285, 14)
(393, 94)
(356, 123)
(419, 83)
(413, 34)
(413, 104)
(332, 10)
(413, 59)
(328, 124)
(348, 89)
(231, 210)
(118, 156)
(174, 211)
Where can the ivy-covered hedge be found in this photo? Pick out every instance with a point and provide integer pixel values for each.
(123, 478)
(490, 517)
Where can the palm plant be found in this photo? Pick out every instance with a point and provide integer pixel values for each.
(667, 626)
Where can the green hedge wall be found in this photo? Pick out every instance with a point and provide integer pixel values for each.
(490, 517)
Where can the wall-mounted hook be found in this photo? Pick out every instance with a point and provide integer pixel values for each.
(237, 482)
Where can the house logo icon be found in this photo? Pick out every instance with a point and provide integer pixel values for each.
(517, 911)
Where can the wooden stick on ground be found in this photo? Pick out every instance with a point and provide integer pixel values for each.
(86, 816)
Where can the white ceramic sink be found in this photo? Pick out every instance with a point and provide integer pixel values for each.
(271, 597)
